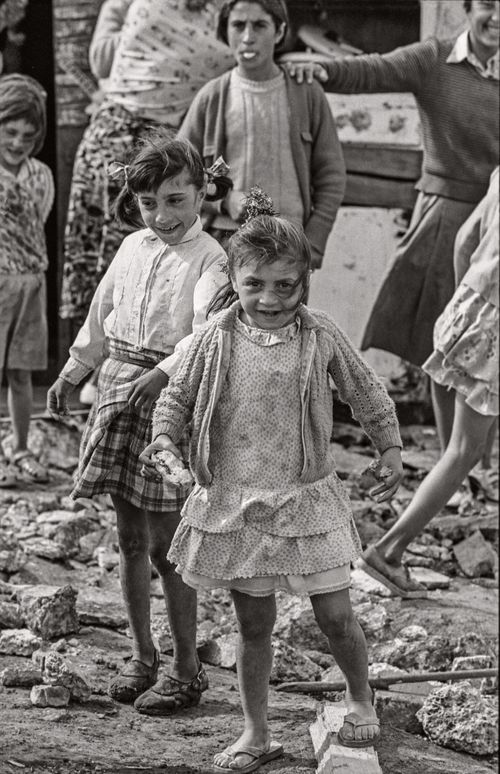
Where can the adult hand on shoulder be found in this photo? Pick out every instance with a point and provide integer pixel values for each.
(306, 71)
(57, 398)
(389, 485)
(145, 390)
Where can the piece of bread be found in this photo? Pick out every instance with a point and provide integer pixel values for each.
(171, 468)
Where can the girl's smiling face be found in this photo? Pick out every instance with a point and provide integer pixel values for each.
(269, 293)
(171, 210)
(17, 140)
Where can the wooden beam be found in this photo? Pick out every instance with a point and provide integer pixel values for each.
(367, 191)
(392, 161)
(332, 757)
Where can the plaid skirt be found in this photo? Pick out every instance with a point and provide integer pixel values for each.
(113, 439)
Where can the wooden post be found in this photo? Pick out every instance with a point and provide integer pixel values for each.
(332, 757)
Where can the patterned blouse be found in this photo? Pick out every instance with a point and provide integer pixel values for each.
(165, 55)
(25, 202)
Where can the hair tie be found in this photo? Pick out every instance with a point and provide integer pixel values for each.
(218, 181)
(117, 170)
(258, 202)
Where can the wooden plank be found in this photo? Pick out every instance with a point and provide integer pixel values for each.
(334, 758)
(367, 191)
(393, 161)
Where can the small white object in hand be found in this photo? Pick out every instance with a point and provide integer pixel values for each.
(171, 468)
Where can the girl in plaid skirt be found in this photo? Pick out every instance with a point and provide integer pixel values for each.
(155, 292)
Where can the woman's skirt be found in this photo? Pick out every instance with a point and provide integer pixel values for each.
(92, 234)
(466, 354)
(420, 281)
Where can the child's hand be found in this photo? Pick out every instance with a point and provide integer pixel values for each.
(390, 459)
(161, 443)
(146, 388)
(57, 398)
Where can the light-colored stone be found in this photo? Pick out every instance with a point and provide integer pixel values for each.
(50, 610)
(363, 582)
(296, 623)
(430, 578)
(50, 696)
(476, 556)
(10, 615)
(459, 717)
(18, 642)
(373, 618)
(57, 670)
(106, 557)
(413, 632)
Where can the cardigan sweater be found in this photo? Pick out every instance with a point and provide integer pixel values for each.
(194, 390)
(458, 111)
(316, 150)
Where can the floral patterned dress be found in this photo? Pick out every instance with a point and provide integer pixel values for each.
(257, 528)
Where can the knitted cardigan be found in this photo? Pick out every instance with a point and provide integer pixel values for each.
(193, 392)
(316, 150)
(458, 111)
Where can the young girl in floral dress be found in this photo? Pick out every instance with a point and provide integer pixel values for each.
(268, 510)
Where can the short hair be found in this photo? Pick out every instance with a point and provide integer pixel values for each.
(22, 97)
(467, 5)
(275, 8)
(158, 157)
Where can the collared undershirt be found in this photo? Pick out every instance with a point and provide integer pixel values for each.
(462, 50)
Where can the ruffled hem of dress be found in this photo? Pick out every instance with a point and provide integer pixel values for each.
(478, 394)
(327, 581)
(250, 553)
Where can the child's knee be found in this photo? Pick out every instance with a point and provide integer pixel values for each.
(336, 623)
(132, 543)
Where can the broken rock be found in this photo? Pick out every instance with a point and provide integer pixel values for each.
(459, 717)
(50, 610)
(58, 671)
(18, 642)
(20, 677)
(290, 664)
(50, 696)
(476, 556)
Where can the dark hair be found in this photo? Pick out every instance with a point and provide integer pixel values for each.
(159, 157)
(467, 5)
(275, 8)
(265, 238)
(22, 97)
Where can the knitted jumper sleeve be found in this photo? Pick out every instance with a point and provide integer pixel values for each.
(362, 390)
(174, 407)
(404, 69)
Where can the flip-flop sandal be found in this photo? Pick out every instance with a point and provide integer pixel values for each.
(135, 678)
(396, 579)
(356, 721)
(275, 750)
(170, 695)
(8, 475)
(28, 465)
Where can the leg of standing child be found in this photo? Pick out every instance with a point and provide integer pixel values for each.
(467, 442)
(335, 617)
(20, 404)
(443, 405)
(256, 617)
(145, 538)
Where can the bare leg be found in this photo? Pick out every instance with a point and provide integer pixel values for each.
(20, 403)
(443, 404)
(135, 576)
(180, 599)
(256, 617)
(466, 445)
(336, 620)
(490, 440)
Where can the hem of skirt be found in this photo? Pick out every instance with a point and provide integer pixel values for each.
(455, 381)
(171, 506)
(210, 584)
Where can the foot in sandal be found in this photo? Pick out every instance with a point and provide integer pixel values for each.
(394, 577)
(361, 726)
(244, 758)
(29, 468)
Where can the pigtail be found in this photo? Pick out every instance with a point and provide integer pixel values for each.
(218, 181)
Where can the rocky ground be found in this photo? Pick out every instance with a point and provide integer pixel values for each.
(63, 634)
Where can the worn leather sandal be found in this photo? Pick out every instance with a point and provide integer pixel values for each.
(355, 722)
(135, 678)
(170, 695)
(29, 467)
(397, 579)
(227, 760)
